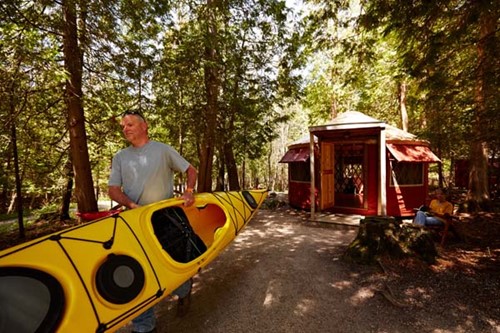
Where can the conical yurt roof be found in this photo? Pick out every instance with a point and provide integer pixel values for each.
(355, 119)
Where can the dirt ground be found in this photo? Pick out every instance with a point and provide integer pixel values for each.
(284, 274)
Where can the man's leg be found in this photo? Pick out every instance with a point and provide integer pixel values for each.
(420, 218)
(431, 220)
(145, 322)
(184, 294)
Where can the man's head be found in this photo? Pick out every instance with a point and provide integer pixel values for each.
(440, 195)
(135, 128)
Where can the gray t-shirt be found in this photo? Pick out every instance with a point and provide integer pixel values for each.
(146, 174)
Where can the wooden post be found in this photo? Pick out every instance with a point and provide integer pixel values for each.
(313, 187)
(382, 195)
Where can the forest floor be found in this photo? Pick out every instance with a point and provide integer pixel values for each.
(285, 274)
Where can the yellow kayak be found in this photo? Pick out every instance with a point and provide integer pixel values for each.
(97, 276)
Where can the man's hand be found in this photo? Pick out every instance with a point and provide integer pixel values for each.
(116, 194)
(133, 205)
(188, 198)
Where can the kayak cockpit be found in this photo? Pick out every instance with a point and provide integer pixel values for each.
(186, 233)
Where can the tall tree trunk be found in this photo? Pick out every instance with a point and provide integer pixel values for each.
(66, 200)
(402, 106)
(333, 98)
(211, 110)
(333, 108)
(440, 165)
(13, 201)
(181, 151)
(232, 169)
(19, 193)
(73, 62)
(478, 194)
(243, 173)
(270, 176)
(220, 183)
(15, 153)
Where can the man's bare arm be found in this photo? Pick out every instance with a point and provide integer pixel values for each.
(192, 175)
(116, 194)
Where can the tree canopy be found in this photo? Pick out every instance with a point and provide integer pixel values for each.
(442, 55)
(231, 83)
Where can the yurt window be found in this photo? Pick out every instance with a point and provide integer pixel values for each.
(405, 173)
(300, 171)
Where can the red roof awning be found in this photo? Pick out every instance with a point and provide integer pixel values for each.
(412, 153)
(296, 155)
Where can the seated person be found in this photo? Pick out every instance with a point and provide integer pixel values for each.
(439, 210)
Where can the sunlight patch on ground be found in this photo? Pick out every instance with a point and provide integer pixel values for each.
(341, 285)
(303, 307)
(466, 326)
(272, 294)
(285, 230)
(249, 234)
(418, 292)
(361, 295)
(268, 300)
(456, 330)
(494, 324)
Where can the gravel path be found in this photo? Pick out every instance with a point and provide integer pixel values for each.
(282, 274)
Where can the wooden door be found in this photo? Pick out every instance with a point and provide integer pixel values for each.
(327, 175)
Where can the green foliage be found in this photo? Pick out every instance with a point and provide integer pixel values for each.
(145, 55)
(352, 69)
(362, 51)
(6, 227)
(30, 82)
(438, 48)
(253, 64)
(151, 56)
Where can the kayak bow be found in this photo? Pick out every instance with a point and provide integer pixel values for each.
(97, 276)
